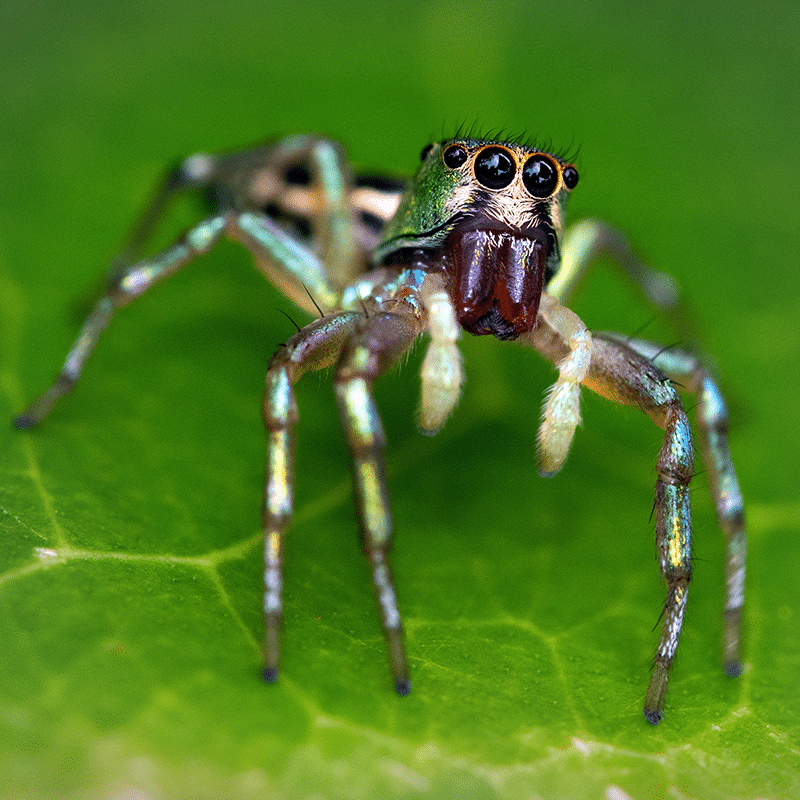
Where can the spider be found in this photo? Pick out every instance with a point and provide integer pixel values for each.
(475, 242)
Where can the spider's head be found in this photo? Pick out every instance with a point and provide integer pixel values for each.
(490, 214)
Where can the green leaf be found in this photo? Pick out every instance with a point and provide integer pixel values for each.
(130, 565)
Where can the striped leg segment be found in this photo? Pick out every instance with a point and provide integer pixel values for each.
(730, 513)
(591, 239)
(584, 243)
(122, 290)
(315, 347)
(712, 417)
(250, 179)
(364, 345)
(625, 376)
(673, 538)
(380, 341)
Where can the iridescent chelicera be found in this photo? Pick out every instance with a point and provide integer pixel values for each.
(474, 242)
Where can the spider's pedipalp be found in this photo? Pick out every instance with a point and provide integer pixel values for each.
(561, 414)
(442, 371)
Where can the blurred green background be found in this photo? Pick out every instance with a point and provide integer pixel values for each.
(129, 663)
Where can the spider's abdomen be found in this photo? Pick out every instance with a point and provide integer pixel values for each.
(498, 278)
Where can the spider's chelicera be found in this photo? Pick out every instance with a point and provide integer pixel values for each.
(474, 241)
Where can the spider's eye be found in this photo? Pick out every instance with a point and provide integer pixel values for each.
(455, 156)
(570, 177)
(425, 152)
(540, 176)
(494, 168)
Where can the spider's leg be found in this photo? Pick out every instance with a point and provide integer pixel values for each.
(173, 181)
(303, 177)
(198, 171)
(712, 416)
(316, 346)
(223, 174)
(591, 239)
(287, 263)
(625, 376)
(126, 287)
(277, 254)
(381, 339)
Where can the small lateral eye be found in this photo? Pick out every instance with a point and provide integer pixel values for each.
(570, 177)
(495, 168)
(540, 176)
(455, 156)
(425, 152)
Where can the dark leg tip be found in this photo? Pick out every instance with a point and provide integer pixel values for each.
(733, 669)
(653, 716)
(269, 674)
(23, 422)
(403, 686)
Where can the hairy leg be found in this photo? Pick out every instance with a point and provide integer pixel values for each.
(380, 341)
(691, 375)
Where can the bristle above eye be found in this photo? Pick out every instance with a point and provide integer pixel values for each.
(473, 133)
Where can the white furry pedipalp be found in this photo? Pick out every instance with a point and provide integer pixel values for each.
(442, 373)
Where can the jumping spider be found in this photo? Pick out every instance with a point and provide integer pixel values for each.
(475, 242)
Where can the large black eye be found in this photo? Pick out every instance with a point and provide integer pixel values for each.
(570, 177)
(540, 176)
(425, 152)
(495, 168)
(455, 156)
